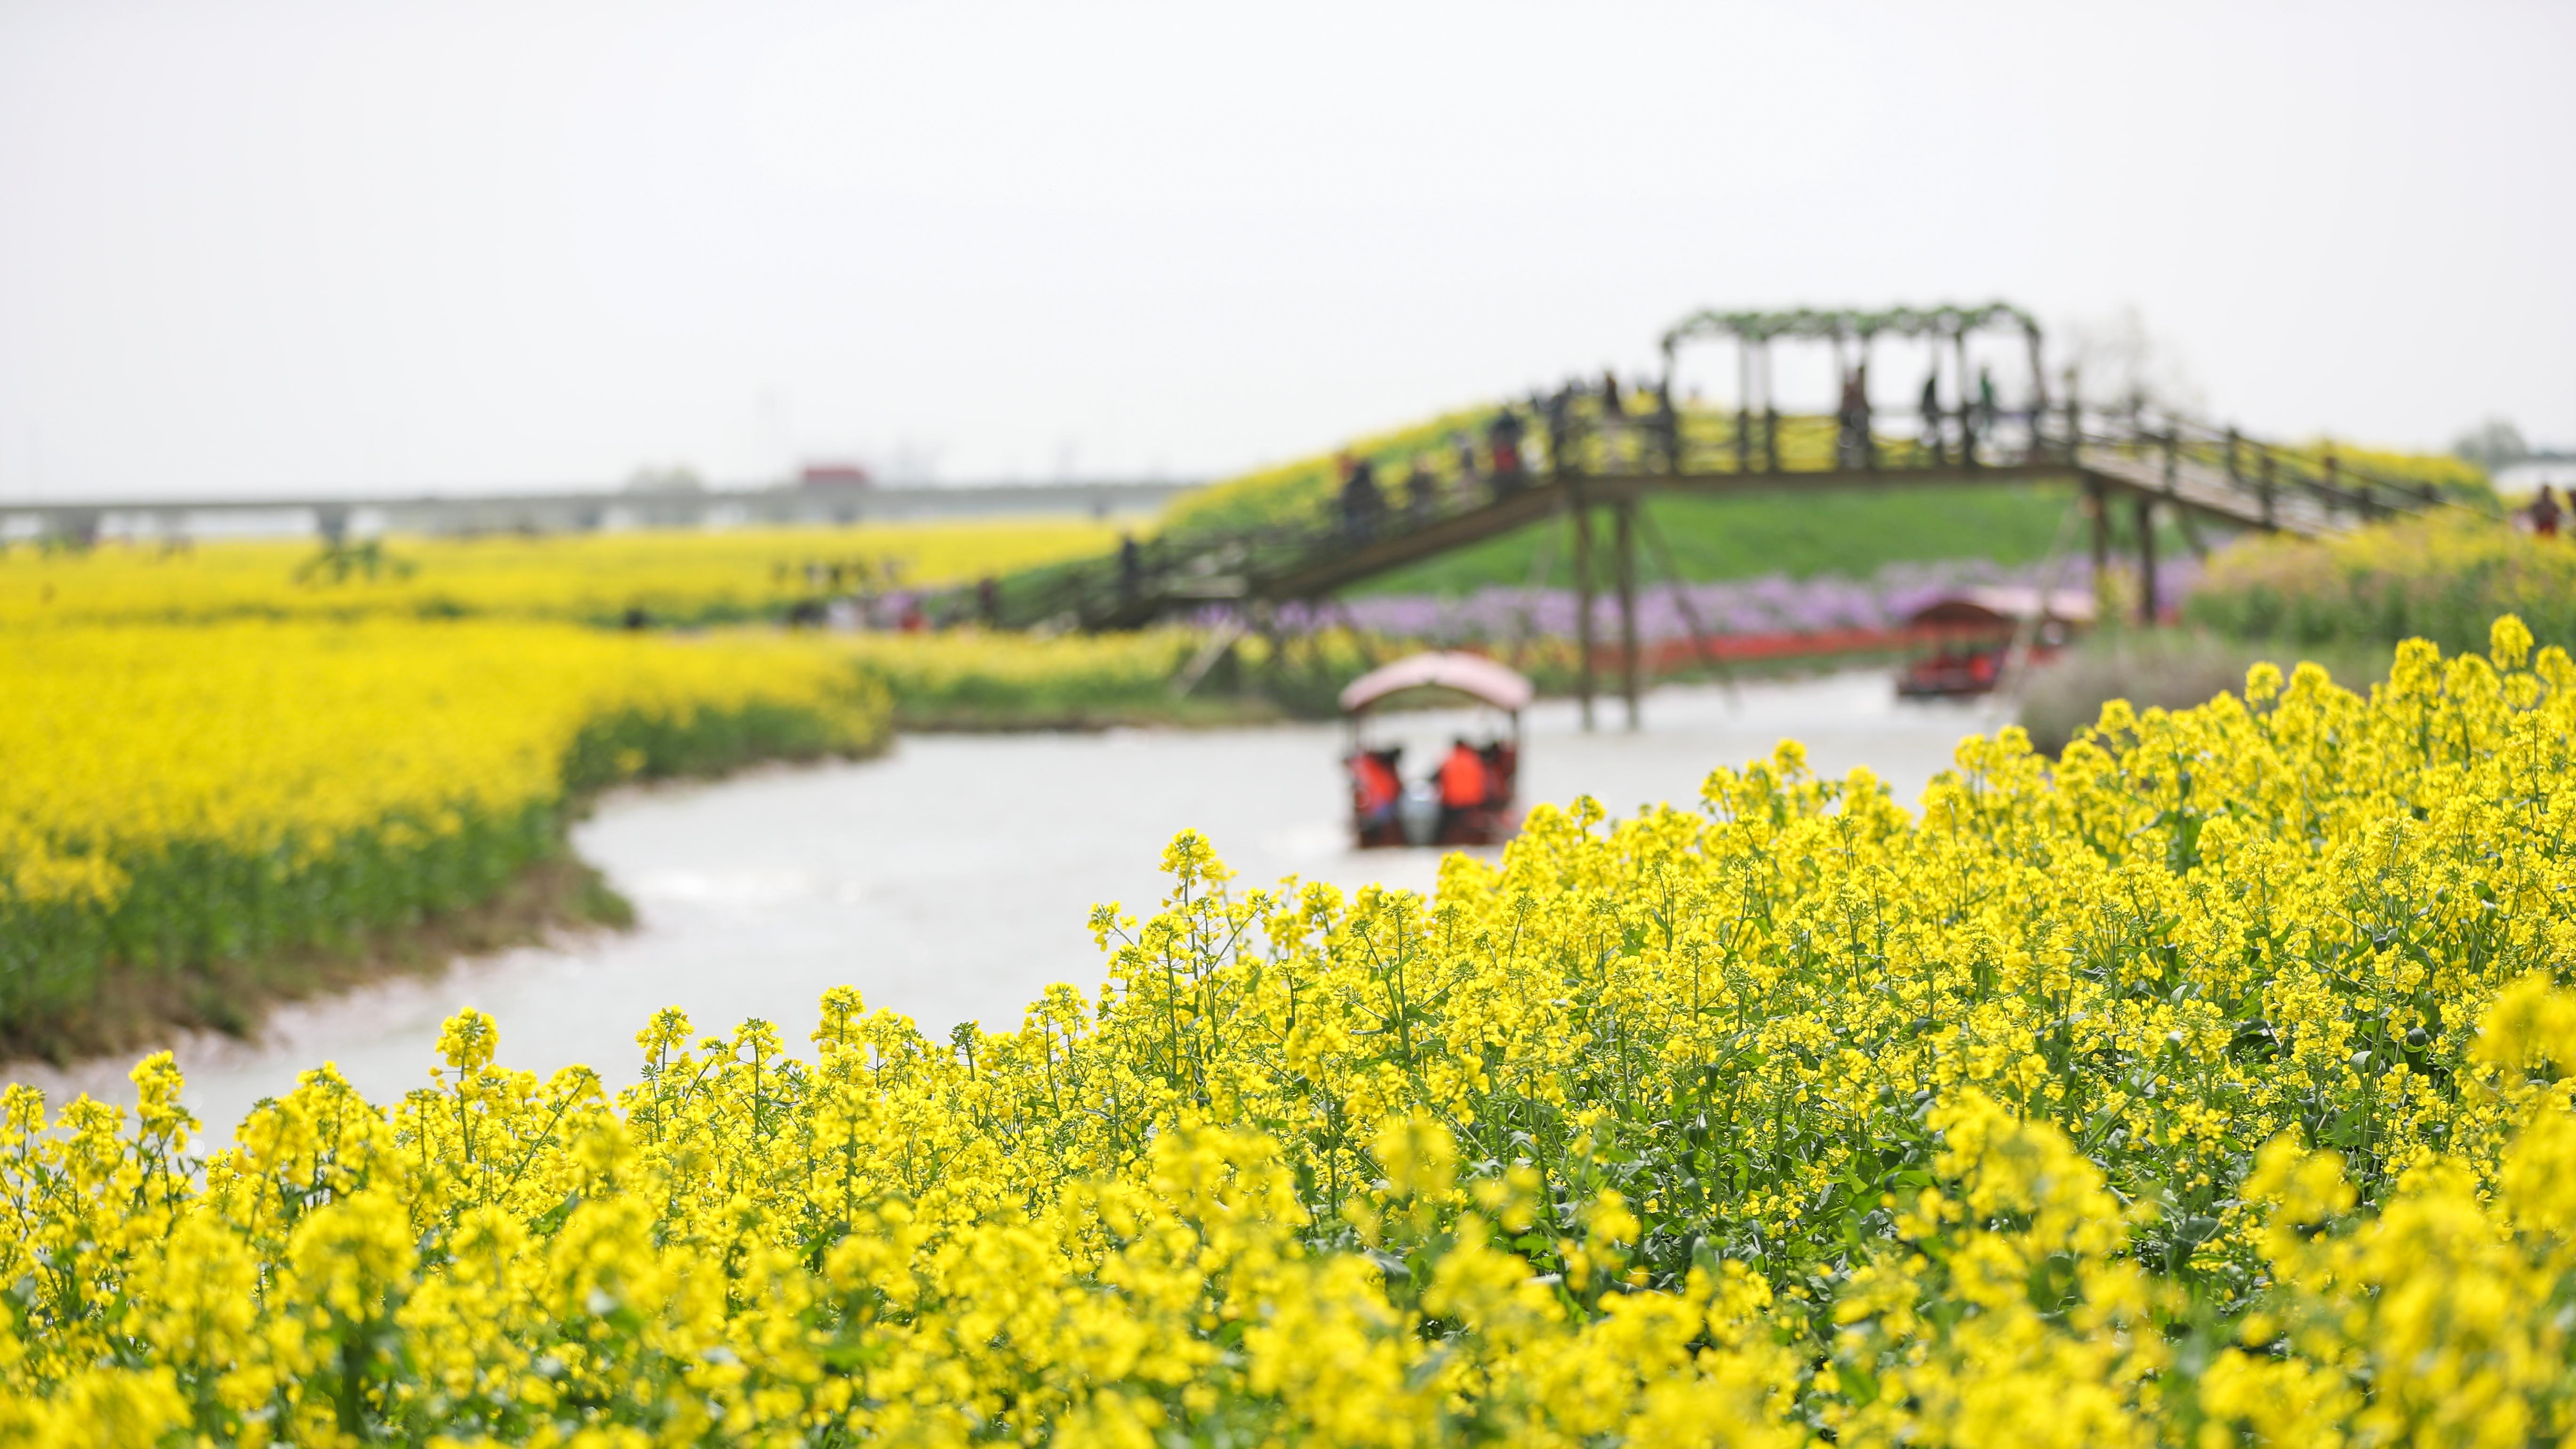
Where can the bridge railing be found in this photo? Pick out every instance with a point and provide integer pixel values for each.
(1644, 433)
(1582, 432)
(2275, 477)
(1173, 571)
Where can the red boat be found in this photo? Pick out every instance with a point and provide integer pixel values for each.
(1470, 797)
(1972, 632)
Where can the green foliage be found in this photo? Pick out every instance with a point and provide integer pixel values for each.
(1302, 489)
(1802, 535)
(2438, 577)
(2162, 669)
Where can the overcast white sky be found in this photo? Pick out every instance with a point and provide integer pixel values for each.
(254, 248)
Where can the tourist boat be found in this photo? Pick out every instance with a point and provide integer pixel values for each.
(1968, 636)
(1469, 796)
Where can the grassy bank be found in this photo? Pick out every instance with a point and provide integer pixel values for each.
(2170, 669)
(195, 815)
(127, 1006)
(2438, 577)
(1803, 536)
(971, 680)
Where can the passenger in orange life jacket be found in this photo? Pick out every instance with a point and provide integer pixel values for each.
(1375, 787)
(1462, 784)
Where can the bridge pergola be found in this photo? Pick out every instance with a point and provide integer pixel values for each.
(1598, 451)
(1851, 332)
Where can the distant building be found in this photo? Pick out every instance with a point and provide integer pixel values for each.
(666, 481)
(832, 475)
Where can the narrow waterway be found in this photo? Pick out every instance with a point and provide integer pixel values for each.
(953, 879)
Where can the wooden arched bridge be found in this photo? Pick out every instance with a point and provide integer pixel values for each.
(1590, 452)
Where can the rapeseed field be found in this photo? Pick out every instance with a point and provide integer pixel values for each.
(2208, 1086)
(977, 678)
(176, 795)
(670, 576)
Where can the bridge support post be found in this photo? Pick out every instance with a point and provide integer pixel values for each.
(1583, 680)
(2097, 502)
(1967, 399)
(1624, 562)
(2146, 561)
(1743, 405)
(1770, 415)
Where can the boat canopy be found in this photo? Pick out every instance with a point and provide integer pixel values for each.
(1469, 674)
(2002, 606)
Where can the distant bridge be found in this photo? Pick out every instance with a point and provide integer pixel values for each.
(1588, 450)
(579, 511)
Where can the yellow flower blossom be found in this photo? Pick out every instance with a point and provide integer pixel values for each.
(2209, 1085)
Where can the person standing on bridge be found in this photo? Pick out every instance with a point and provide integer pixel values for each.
(1503, 437)
(2544, 513)
(1464, 448)
(1935, 439)
(1614, 418)
(1852, 415)
(1987, 410)
(1421, 491)
(1557, 411)
(1362, 502)
(1131, 568)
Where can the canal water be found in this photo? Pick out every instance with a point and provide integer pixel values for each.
(953, 879)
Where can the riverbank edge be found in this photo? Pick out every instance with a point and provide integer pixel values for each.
(136, 1008)
(1314, 702)
(1223, 712)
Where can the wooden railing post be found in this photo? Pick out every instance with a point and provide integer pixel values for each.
(1583, 680)
(2266, 486)
(2334, 486)
(1623, 544)
(2173, 455)
(1743, 405)
(2098, 503)
(2146, 517)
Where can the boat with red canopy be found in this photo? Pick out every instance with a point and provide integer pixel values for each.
(1969, 636)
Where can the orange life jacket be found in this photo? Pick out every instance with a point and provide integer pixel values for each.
(1462, 778)
(1377, 784)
